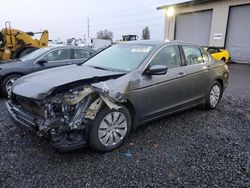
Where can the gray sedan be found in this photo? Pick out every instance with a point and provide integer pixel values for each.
(100, 102)
(43, 58)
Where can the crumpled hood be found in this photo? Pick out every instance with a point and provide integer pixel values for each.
(41, 84)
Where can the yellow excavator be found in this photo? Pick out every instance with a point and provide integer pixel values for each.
(15, 43)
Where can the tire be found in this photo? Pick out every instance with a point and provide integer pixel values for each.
(214, 96)
(103, 137)
(7, 83)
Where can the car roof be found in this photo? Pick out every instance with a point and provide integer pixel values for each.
(71, 47)
(157, 43)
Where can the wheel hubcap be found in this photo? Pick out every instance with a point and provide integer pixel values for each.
(9, 84)
(112, 129)
(214, 95)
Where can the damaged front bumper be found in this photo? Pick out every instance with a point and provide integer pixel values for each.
(22, 119)
(28, 122)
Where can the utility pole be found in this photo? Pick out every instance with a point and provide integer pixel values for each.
(88, 25)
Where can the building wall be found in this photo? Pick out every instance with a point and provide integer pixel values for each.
(219, 18)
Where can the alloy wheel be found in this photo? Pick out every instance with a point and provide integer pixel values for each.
(9, 84)
(112, 129)
(214, 95)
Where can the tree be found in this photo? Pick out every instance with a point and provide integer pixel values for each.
(145, 33)
(105, 34)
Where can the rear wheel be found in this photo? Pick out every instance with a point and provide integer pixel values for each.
(214, 96)
(7, 84)
(109, 129)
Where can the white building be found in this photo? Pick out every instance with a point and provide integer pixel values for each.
(220, 23)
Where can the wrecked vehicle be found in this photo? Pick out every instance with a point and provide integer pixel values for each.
(99, 102)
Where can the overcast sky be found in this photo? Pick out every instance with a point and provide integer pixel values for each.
(68, 18)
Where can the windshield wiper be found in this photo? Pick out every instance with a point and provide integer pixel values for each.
(100, 68)
(81, 62)
(108, 69)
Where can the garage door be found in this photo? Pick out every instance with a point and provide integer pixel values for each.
(194, 27)
(238, 33)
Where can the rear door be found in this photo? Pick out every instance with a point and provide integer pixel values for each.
(55, 58)
(81, 55)
(196, 73)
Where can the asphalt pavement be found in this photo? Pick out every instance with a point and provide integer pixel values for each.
(239, 80)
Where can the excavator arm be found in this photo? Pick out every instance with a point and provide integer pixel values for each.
(14, 43)
(29, 41)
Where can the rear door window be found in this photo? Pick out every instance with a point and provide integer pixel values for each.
(82, 54)
(192, 55)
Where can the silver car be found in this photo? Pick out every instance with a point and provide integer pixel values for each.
(99, 102)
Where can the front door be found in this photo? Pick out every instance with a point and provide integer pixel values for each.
(55, 58)
(159, 93)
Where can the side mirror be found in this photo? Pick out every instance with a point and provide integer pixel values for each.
(156, 70)
(42, 61)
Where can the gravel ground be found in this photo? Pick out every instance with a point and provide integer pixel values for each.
(192, 148)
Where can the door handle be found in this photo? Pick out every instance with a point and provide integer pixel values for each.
(180, 74)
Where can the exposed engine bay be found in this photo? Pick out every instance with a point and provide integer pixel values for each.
(73, 109)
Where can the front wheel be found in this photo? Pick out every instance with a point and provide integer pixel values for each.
(7, 83)
(214, 96)
(109, 129)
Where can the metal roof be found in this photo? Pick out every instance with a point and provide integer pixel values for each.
(186, 3)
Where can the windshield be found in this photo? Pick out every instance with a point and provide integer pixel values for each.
(35, 54)
(120, 57)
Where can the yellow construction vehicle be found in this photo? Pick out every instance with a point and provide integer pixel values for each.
(15, 43)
